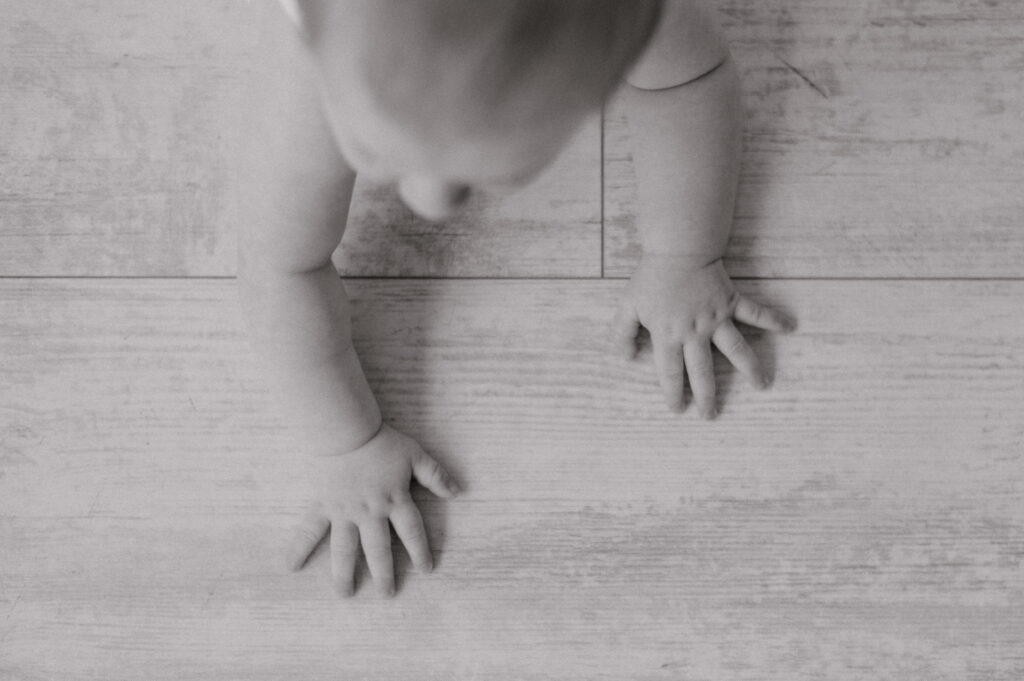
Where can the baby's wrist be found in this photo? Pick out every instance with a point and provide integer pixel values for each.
(356, 439)
(326, 435)
(681, 258)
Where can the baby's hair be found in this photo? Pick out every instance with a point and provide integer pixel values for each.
(477, 64)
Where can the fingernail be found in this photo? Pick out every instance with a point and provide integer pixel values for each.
(453, 487)
(710, 414)
(765, 382)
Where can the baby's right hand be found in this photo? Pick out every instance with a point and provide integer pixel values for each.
(356, 494)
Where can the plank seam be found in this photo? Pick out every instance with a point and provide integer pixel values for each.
(512, 278)
(602, 191)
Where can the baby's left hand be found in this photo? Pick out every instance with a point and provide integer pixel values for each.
(685, 307)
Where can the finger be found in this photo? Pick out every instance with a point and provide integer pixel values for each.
(377, 547)
(305, 537)
(749, 312)
(730, 341)
(668, 362)
(627, 325)
(408, 524)
(431, 475)
(344, 554)
(701, 370)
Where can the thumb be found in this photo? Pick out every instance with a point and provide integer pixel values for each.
(429, 473)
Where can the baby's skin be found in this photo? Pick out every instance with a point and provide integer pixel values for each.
(309, 128)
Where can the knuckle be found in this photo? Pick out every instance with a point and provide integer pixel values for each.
(700, 365)
(666, 331)
(414, 532)
(705, 325)
(682, 330)
(344, 554)
(701, 374)
(434, 469)
(399, 498)
(378, 554)
(736, 346)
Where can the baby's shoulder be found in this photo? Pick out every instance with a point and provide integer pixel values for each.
(686, 44)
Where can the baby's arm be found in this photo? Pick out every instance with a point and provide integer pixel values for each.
(294, 193)
(683, 104)
(294, 190)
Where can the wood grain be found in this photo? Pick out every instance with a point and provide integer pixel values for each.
(883, 139)
(117, 132)
(863, 519)
(117, 135)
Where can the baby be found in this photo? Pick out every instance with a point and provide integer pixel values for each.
(442, 96)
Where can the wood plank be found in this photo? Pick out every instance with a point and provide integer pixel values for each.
(116, 136)
(864, 518)
(116, 146)
(882, 140)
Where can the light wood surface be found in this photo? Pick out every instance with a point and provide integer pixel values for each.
(862, 519)
(883, 139)
(116, 127)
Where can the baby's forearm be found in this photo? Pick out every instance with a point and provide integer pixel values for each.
(294, 190)
(300, 329)
(686, 150)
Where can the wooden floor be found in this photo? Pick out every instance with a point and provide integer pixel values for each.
(863, 519)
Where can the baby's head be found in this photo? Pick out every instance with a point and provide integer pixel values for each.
(442, 95)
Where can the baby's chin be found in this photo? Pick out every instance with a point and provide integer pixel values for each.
(431, 199)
